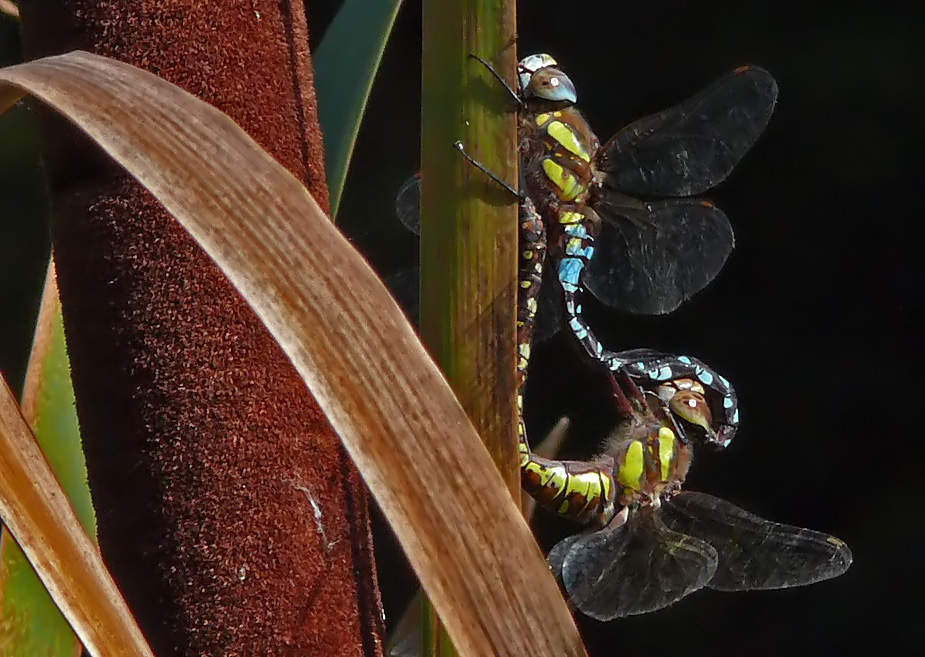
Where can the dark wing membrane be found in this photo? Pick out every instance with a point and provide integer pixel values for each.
(650, 259)
(405, 288)
(755, 553)
(405, 640)
(690, 148)
(408, 204)
(550, 307)
(404, 285)
(631, 568)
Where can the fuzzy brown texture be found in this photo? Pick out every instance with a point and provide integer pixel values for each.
(229, 513)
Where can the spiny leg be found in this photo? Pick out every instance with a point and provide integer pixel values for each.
(488, 172)
(519, 103)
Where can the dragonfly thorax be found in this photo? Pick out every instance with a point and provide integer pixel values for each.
(650, 463)
(556, 149)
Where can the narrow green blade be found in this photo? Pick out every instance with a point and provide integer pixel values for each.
(345, 65)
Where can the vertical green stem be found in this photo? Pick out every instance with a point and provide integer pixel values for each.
(468, 223)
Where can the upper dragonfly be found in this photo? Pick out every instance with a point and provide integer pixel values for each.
(651, 255)
(605, 229)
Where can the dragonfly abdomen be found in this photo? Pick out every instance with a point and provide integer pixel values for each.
(532, 237)
(581, 490)
(576, 248)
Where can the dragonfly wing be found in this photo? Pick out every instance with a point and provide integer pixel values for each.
(550, 307)
(405, 288)
(631, 567)
(694, 146)
(404, 285)
(408, 204)
(755, 553)
(652, 259)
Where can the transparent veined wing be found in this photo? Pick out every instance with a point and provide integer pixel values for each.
(635, 565)
(408, 204)
(651, 257)
(694, 146)
(404, 285)
(550, 309)
(755, 553)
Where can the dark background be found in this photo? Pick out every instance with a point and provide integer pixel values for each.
(816, 317)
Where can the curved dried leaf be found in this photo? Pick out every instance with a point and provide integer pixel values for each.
(7, 7)
(32, 623)
(36, 511)
(346, 337)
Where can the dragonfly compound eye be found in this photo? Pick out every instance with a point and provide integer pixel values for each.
(529, 65)
(692, 407)
(552, 85)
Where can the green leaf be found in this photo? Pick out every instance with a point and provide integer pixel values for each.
(345, 65)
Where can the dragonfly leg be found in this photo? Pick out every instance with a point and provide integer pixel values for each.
(518, 101)
(488, 172)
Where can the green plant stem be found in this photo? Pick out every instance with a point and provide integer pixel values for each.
(468, 223)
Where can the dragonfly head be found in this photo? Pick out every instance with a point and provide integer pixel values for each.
(687, 400)
(540, 79)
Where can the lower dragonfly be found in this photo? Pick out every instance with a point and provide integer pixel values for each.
(650, 543)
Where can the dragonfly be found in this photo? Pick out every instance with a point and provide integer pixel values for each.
(648, 543)
(652, 543)
(607, 230)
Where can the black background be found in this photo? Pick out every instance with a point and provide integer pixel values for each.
(816, 317)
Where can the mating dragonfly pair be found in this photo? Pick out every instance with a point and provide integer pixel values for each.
(594, 208)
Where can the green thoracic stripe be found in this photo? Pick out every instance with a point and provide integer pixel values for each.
(631, 470)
